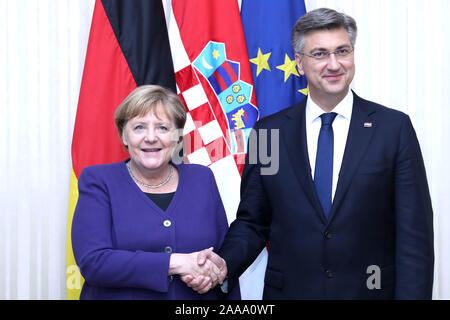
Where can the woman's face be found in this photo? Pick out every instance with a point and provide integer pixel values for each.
(151, 139)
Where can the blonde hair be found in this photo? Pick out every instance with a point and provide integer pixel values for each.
(147, 98)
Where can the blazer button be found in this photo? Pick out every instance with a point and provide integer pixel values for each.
(167, 223)
(328, 235)
(329, 274)
(168, 249)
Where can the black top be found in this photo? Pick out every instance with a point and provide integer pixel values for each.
(162, 200)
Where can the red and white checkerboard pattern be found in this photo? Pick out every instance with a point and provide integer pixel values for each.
(204, 138)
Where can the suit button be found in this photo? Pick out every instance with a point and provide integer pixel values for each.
(168, 249)
(328, 235)
(167, 223)
(328, 273)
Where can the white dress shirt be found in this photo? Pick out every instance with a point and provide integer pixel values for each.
(341, 125)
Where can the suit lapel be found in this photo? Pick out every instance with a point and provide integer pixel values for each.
(359, 135)
(294, 136)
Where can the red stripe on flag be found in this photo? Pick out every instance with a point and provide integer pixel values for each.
(192, 142)
(202, 115)
(240, 161)
(240, 141)
(186, 78)
(216, 108)
(217, 149)
(233, 76)
(180, 95)
(95, 138)
(220, 81)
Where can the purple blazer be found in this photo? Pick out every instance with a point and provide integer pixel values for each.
(120, 238)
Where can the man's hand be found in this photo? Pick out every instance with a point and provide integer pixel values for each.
(201, 277)
(201, 284)
(208, 254)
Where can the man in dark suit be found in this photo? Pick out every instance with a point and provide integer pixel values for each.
(348, 213)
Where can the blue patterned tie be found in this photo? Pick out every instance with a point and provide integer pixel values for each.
(323, 174)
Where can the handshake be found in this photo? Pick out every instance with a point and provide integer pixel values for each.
(201, 270)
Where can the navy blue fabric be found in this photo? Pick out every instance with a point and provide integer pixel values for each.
(381, 213)
(323, 174)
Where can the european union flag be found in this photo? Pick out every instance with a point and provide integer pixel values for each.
(267, 26)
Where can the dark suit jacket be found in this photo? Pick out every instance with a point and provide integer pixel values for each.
(381, 214)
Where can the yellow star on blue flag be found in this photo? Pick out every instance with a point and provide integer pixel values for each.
(267, 27)
(261, 61)
(289, 67)
(304, 91)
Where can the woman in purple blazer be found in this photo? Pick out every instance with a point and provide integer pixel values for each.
(139, 224)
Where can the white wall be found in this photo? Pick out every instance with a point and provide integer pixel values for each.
(401, 59)
(41, 63)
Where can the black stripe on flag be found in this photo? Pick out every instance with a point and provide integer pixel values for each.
(140, 28)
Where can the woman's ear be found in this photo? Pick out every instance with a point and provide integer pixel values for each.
(124, 139)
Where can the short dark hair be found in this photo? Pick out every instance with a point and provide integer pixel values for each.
(321, 19)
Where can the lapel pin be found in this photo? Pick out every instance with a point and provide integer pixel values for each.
(367, 124)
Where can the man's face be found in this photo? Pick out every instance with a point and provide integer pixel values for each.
(331, 77)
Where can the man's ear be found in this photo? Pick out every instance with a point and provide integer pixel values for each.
(298, 60)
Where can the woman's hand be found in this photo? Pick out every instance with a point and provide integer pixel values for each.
(218, 269)
(201, 277)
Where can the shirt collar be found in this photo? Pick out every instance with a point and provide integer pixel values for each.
(344, 108)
